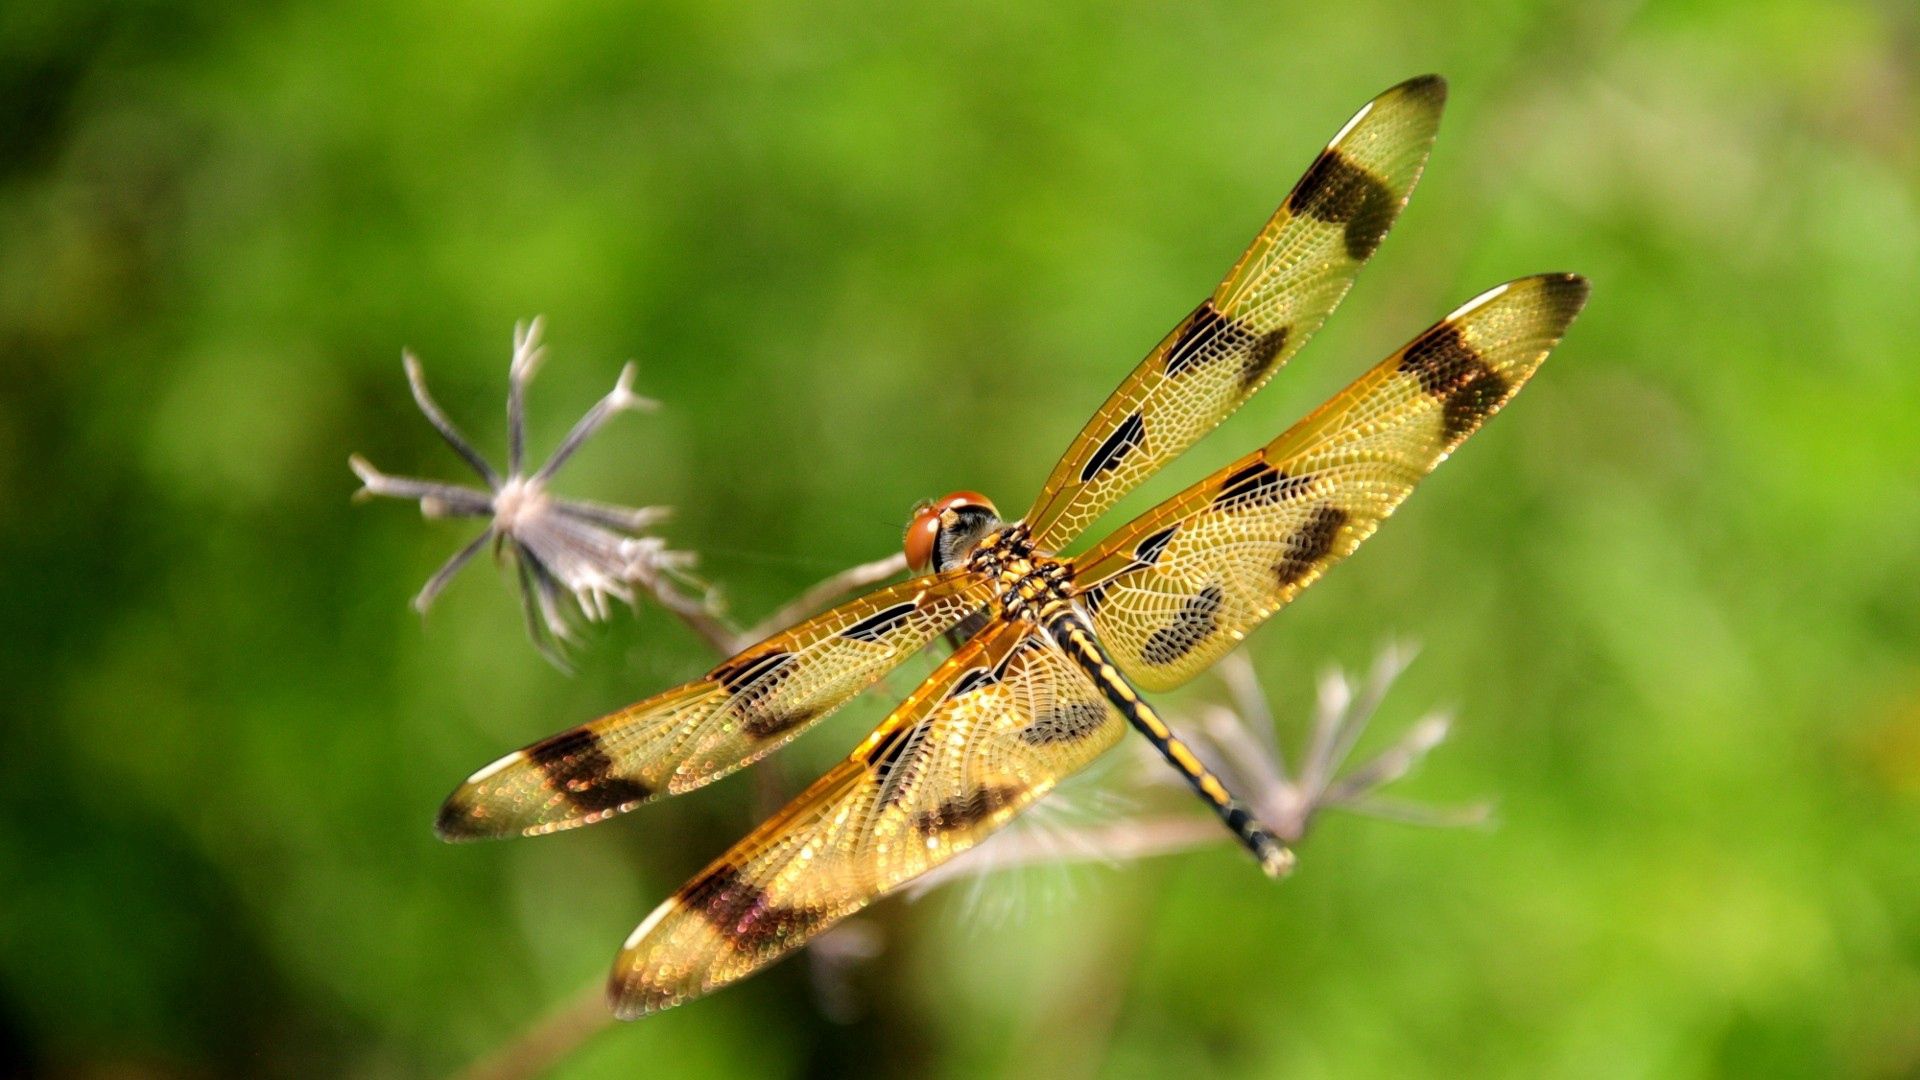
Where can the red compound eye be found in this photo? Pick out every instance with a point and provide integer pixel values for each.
(924, 531)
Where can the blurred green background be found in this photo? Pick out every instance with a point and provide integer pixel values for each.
(870, 253)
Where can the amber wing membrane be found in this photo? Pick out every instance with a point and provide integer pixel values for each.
(684, 738)
(992, 730)
(1173, 591)
(1274, 298)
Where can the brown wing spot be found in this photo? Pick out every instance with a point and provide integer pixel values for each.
(1313, 542)
(1093, 598)
(973, 679)
(1148, 550)
(899, 761)
(1472, 402)
(460, 819)
(745, 915)
(1261, 355)
(1257, 484)
(964, 811)
(880, 624)
(578, 767)
(1123, 440)
(882, 757)
(753, 681)
(740, 674)
(1207, 337)
(1442, 360)
(1194, 343)
(1565, 295)
(1068, 722)
(1339, 192)
(1450, 368)
(1431, 89)
(1198, 617)
(764, 723)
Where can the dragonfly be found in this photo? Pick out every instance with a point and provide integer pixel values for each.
(1057, 651)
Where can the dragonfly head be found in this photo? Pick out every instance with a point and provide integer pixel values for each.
(944, 531)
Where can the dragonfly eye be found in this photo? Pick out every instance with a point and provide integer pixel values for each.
(944, 530)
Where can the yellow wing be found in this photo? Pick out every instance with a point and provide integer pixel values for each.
(992, 730)
(1274, 298)
(743, 710)
(1176, 589)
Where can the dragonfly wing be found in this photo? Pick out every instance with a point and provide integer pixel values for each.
(1285, 285)
(692, 735)
(1177, 588)
(991, 731)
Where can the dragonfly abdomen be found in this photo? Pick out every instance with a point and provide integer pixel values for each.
(1073, 635)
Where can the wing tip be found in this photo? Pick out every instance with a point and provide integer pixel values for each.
(1563, 295)
(462, 820)
(1566, 294)
(1420, 99)
(631, 994)
(1429, 89)
(631, 997)
(464, 815)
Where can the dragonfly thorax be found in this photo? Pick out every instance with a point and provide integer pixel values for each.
(1029, 583)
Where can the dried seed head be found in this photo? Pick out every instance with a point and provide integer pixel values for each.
(574, 557)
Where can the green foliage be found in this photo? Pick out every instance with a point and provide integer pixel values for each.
(871, 253)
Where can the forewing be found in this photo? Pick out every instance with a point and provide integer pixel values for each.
(1175, 590)
(742, 710)
(1274, 298)
(992, 730)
